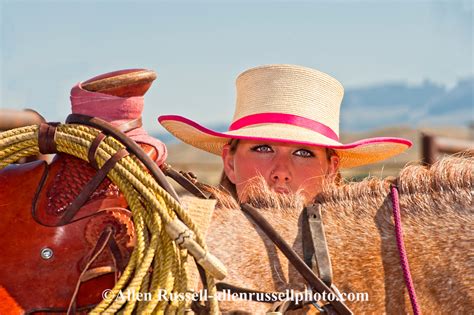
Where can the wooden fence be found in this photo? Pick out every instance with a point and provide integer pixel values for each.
(433, 147)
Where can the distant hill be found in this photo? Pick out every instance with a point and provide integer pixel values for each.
(391, 104)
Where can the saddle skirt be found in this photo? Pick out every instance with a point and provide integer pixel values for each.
(42, 263)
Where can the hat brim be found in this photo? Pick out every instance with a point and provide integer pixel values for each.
(354, 154)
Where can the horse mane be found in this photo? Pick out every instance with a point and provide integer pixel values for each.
(450, 175)
(259, 195)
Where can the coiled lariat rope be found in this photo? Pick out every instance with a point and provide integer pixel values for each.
(162, 240)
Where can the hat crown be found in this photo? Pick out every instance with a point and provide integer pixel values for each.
(287, 104)
(292, 90)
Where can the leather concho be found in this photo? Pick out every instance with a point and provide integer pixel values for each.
(124, 234)
(33, 197)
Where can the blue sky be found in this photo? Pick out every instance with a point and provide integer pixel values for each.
(198, 48)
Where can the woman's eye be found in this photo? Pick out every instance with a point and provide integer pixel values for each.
(304, 153)
(262, 148)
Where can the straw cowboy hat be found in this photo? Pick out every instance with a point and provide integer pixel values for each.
(291, 104)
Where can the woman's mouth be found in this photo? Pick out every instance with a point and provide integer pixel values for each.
(281, 190)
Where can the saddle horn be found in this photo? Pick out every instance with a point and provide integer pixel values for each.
(124, 83)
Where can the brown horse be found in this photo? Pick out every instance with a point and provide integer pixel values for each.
(438, 222)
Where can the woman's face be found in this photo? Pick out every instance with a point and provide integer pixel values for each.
(285, 167)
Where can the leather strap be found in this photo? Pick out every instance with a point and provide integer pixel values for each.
(97, 272)
(195, 305)
(313, 280)
(93, 150)
(315, 248)
(99, 247)
(117, 257)
(131, 146)
(130, 125)
(46, 135)
(91, 186)
(185, 182)
(126, 127)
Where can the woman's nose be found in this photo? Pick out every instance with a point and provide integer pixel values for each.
(280, 173)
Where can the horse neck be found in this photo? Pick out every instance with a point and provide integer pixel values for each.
(431, 199)
(436, 209)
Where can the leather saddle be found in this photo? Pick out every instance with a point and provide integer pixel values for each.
(45, 264)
